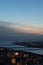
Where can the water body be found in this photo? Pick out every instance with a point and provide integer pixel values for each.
(23, 48)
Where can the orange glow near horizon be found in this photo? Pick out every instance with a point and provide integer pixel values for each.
(27, 29)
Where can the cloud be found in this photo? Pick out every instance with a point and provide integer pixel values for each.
(10, 32)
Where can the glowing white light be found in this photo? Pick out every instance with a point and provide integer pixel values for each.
(16, 53)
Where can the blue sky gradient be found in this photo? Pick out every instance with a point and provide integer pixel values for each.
(26, 12)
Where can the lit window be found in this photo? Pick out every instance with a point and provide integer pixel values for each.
(13, 60)
(26, 55)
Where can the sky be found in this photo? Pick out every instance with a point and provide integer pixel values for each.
(21, 19)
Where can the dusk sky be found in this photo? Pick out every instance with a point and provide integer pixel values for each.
(21, 19)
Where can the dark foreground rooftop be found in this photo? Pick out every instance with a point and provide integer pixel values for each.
(9, 56)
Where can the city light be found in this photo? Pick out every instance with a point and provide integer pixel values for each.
(16, 53)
